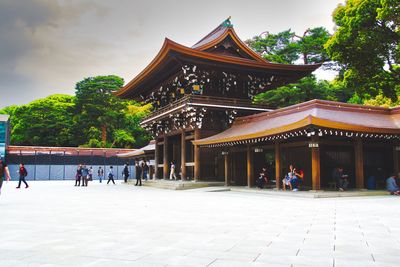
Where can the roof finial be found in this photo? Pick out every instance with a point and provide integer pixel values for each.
(227, 23)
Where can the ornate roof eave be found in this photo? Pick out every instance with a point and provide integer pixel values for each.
(309, 120)
(171, 46)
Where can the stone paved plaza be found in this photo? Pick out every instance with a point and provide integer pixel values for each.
(56, 224)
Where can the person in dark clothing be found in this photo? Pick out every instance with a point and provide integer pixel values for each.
(22, 174)
(78, 175)
(262, 179)
(125, 173)
(340, 178)
(4, 173)
(138, 170)
(111, 175)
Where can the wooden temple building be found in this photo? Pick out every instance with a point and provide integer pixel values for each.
(197, 92)
(205, 122)
(316, 136)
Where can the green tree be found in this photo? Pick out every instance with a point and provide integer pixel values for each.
(366, 42)
(307, 88)
(46, 122)
(287, 47)
(96, 106)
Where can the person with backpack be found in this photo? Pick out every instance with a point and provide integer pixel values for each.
(111, 175)
(22, 175)
(4, 173)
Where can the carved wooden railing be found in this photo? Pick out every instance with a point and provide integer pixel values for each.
(200, 99)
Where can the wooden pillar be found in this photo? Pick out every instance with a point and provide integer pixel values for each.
(227, 170)
(315, 164)
(156, 153)
(196, 155)
(250, 167)
(277, 164)
(359, 162)
(183, 155)
(165, 158)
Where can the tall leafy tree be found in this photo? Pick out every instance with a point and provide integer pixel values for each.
(367, 43)
(96, 106)
(287, 47)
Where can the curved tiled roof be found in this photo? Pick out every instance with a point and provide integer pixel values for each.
(327, 114)
(170, 50)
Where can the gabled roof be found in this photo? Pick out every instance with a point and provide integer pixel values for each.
(222, 32)
(321, 113)
(169, 58)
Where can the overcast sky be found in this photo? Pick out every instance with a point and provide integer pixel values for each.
(46, 46)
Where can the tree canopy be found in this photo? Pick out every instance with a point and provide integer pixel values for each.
(366, 43)
(92, 118)
(287, 47)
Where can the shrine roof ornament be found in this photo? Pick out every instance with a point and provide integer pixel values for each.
(171, 56)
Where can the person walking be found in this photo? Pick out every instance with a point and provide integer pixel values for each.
(100, 174)
(172, 173)
(78, 175)
(4, 173)
(85, 173)
(125, 172)
(22, 175)
(138, 171)
(111, 175)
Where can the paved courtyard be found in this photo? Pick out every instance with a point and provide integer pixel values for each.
(56, 224)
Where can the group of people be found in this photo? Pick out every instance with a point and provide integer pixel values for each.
(142, 172)
(293, 178)
(84, 175)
